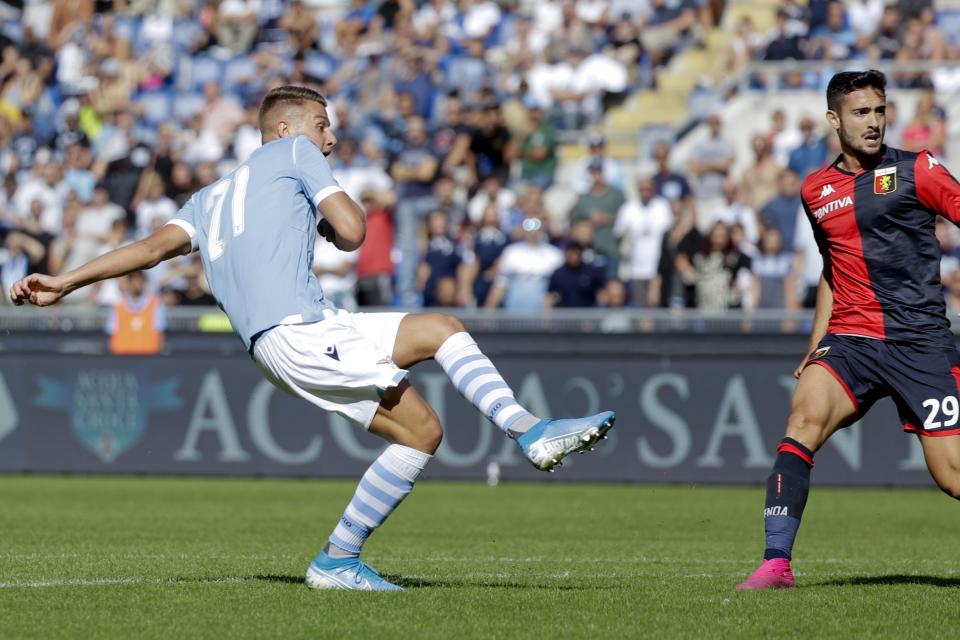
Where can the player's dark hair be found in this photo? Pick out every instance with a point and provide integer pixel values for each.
(287, 95)
(849, 81)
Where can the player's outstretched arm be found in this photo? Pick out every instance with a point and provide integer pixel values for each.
(42, 290)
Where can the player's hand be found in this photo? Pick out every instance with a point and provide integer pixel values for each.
(326, 230)
(37, 289)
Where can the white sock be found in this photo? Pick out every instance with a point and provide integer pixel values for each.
(481, 384)
(384, 485)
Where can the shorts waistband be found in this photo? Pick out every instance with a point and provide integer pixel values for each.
(294, 319)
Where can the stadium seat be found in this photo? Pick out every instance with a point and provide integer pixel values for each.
(126, 28)
(187, 105)
(238, 71)
(203, 69)
(158, 106)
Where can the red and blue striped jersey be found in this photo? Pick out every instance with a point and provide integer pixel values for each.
(875, 230)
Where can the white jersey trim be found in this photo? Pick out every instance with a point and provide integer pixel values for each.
(298, 318)
(857, 335)
(325, 193)
(191, 231)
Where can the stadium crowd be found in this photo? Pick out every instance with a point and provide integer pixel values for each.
(449, 116)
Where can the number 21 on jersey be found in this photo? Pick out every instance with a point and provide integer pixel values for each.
(218, 196)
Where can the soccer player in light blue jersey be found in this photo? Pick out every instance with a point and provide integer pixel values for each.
(255, 230)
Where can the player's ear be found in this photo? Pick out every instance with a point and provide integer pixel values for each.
(833, 119)
(283, 129)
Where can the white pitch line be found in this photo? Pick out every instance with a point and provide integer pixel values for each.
(106, 582)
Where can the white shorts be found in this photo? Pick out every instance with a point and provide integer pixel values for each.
(341, 364)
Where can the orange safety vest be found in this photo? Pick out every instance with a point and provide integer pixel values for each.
(135, 331)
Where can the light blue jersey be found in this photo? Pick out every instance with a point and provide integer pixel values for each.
(255, 229)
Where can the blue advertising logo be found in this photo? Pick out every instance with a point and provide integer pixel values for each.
(108, 409)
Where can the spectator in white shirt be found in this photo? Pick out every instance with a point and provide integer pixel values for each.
(524, 269)
(641, 224)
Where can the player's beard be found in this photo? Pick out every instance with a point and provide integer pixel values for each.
(856, 144)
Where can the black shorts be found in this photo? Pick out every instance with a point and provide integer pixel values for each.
(923, 380)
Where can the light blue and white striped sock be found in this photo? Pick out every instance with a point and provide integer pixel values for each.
(481, 384)
(385, 484)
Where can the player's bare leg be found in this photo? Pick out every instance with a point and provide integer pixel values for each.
(820, 406)
(943, 460)
(407, 421)
(544, 442)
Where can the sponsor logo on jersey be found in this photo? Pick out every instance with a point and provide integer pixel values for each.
(775, 511)
(885, 181)
(833, 205)
(827, 190)
(332, 352)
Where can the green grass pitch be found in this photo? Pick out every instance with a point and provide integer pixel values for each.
(102, 557)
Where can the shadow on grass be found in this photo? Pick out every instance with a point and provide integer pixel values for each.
(446, 583)
(891, 579)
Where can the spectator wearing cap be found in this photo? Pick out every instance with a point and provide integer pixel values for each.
(640, 226)
(600, 205)
(524, 270)
(613, 172)
(535, 146)
(575, 283)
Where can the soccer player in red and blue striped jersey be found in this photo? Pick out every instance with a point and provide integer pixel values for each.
(880, 327)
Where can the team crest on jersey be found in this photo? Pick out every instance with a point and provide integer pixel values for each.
(885, 181)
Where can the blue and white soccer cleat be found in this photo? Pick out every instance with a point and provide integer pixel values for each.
(346, 573)
(549, 441)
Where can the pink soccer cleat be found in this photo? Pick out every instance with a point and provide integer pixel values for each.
(772, 574)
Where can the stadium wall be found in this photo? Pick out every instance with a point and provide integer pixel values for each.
(692, 409)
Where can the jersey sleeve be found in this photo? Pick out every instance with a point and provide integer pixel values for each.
(186, 220)
(937, 189)
(313, 172)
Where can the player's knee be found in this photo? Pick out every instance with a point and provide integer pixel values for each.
(448, 325)
(950, 486)
(806, 427)
(428, 435)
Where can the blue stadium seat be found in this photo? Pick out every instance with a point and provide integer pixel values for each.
(126, 27)
(238, 71)
(186, 33)
(13, 29)
(187, 105)
(318, 65)
(204, 69)
(158, 106)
